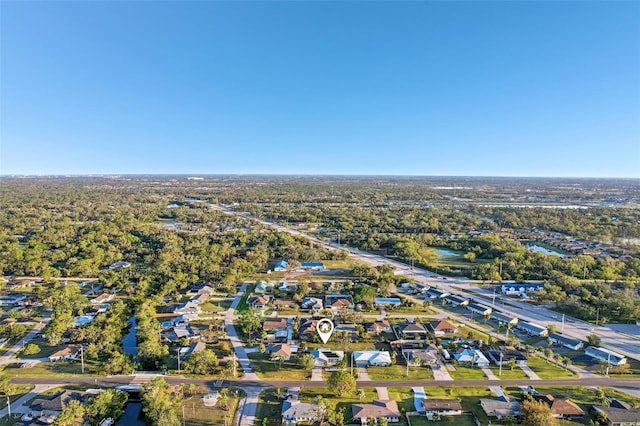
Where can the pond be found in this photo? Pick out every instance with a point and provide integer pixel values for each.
(129, 344)
(446, 253)
(131, 416)
(544, 250)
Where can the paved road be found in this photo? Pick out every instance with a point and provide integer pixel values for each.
(611, 339)
(7, 357)
(241, 354)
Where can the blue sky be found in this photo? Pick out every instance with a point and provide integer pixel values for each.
(505, 88)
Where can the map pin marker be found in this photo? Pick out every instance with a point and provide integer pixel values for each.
(324, 327)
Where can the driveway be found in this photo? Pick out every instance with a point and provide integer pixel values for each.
(363, 374)
(241, 354)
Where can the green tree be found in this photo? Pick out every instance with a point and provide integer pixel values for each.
(342, 383)
(31, 349)
(203, 362)
(537, 413)
(593, 340)
(108, 403)
(72, 414)
(307, 361)
(160, 406)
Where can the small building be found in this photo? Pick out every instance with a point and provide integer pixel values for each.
(520, 289)
(314, 266)
(208, 290)
(472, 357)
(338, 301)
(312, 303)
(372, 358)
(567, 342)
(259, 302)
(103, 298)
(119, 264)
(281, 266)
(442, 327)
(502, 356)
(610, 357)
(379, 327)
(434, 293)
(456, 300)
(277, 350)
(479, 309)
(500, 407)
(560, 407)
(286, 287)
(294, 412)
(503, 319)
(413, 331)
(69, 353)
(419, 357)
(188, 308)
(264, 287)
(619, 416)
(378, 409)
(349, 329)
(327, 357)
(441, 407)
(532, 329)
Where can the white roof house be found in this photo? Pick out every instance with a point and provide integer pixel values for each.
(327, 357)
(606, 355)
(375, 358)
(472, 357)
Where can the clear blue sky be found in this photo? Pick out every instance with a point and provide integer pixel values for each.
(505, 88)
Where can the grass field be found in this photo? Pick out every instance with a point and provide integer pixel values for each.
(196, 414)
(394, 372)
(508, 374)
(467, 373)
(267, 369)
(464, 420)
(548, 370)
(55, 369)
(242, 305)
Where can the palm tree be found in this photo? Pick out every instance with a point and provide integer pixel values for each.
(224, 399)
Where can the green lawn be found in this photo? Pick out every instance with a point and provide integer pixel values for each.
(464, 420)
(581, 395)
(267, 369)
(467, 373)
(270, 407)
(59, 369)
(45, 349)
(196, 414)
(394, 372)
(242, 306)
(213, 307)
(548, 370)
(10, 421)
(508, 374)
(464, 331)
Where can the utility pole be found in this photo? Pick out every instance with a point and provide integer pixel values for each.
(500, 373)
(82, 356)
(562, 328)
(493, 299)
(178, 360)
(234, 364)
(597, 315)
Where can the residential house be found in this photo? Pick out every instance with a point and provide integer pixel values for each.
(338, 301)
(500, 407)
(560, 407)
(314, 266)
(567, 342)
(340, 304)
(274, 325)
(57, 403)
(412, 331)
(277, 350)
(264, 287)
(103, 298)
(503, 356)
(419, 357)
(200, 298)
(372, 358)
(479, 309)
(294, 412)
(371, 413)
(281, 266)
(307, 328)
(456, 300)
(442, 327)
(349, 329)
(379, 327)
(312, 303)
(472, 357)
(119, 264)
(208, 290)
(532, 329)
(68, 353)
(12, 299)
(287, 287)
(619, 416)
(606, 355)
(327, 357)
(503, 319)
(194, 348)
(441, 407)
(188, 308)
(259, 302)
(175, 334)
